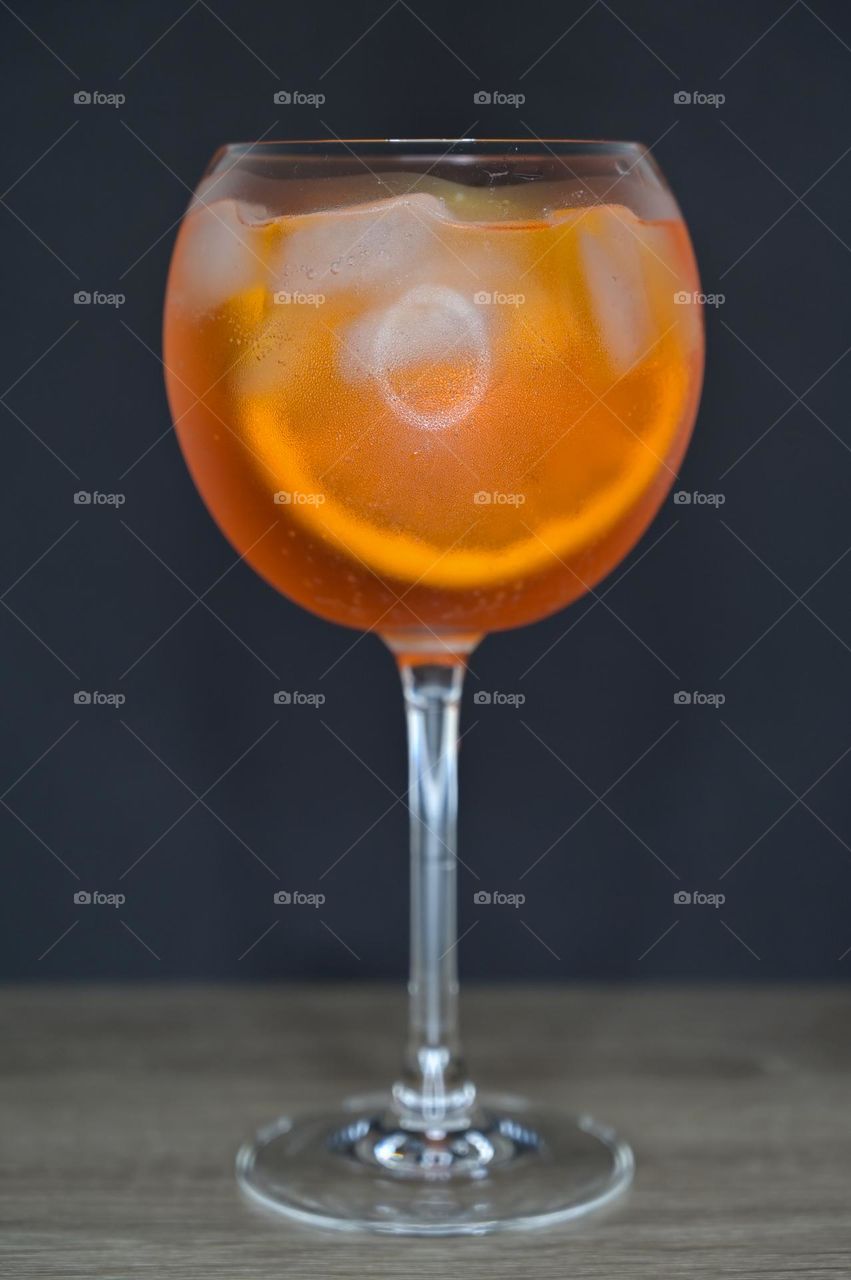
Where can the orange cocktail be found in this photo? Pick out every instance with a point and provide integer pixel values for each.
(444, 409)
(433, 389)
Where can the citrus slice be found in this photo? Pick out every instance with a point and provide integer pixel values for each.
(408, 559)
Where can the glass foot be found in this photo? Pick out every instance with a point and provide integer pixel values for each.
(514, 1165)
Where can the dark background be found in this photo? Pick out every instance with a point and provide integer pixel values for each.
(748, 599)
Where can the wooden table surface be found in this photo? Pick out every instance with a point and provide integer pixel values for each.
(121, 1109)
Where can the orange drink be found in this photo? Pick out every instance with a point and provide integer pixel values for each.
(445, 410)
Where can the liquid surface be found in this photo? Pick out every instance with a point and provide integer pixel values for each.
(432, 413)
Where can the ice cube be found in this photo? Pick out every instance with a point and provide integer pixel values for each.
(219, 253)
(611, 260)
(429, 325)
(365, 246)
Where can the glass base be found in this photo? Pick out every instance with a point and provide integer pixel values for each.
(515, 1165)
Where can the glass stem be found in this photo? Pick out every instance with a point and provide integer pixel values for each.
(434, 1093)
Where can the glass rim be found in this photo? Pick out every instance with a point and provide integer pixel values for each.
(429, 146)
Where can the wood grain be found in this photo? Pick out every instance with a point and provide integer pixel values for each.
(122, 1108)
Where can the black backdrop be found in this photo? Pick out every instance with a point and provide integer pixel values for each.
(215, 796)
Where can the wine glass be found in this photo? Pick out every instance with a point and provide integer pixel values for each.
(433, 389)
